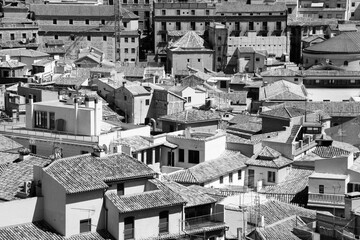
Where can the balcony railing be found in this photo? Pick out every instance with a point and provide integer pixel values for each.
(326, 199)
(202, 222)
(16, 130)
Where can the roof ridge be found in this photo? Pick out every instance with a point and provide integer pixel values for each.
(288, 111)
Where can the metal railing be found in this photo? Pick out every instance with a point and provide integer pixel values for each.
(328, 199)
(203, 221)
(18, 130)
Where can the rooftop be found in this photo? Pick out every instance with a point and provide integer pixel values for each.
(86, 172)
(330, 151)
(284, 112)
(163, 196)
(191, 116)
(283, 90)
(20, 52)
(270, 158)
(228, 161)
(190, 41)
(250, 8)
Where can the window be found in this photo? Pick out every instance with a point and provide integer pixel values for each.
(192, 12)
(147, 2)
(194, 156)
(157, 154)
(346, 63)
(52, 120)
(136, 13)
(278, 25)
(32, 149)
(89, 38)
(133, 50)
(54, 21)
(71, 22)
(83, 152)
(257, 59)
(219, 38)
(353, 4)
(271, 177)
(147, 102)
(352, 14)
(178, 12)
(24, 35)
(0, 36)
(164, 222)
(56, 37)
(126, 59)
(192, 25)
(136, 2)
(125, 98)
(133, 39)
(133, 59)
(125, 1)
(87, 21)
(178, 26)
(251, 26)
(125, 24)
(129, 228)
(222, 84)
(103, 21)
(85, 225)
(147, 14)
(189, 99)
(199, 59)
(163, 26)
(221, 179)
(230, 177)
(207, 12)
(321, 188)
(149, 156)
(120, 189)
(163, 12)
(126, 39)
(12, 36)
(239, 174)
(181, 155)
(40, 119)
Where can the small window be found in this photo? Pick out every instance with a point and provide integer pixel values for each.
(126, 50)
(103, 21)
(181, 155)
(178, 12)
(133, 59)
(346, 63)
(56, 37)
(230, 177)
(126, 39)
(271, 177)
(321, 188)
(353, 4)
(296, 79)
(133, 39)
(207, 12)
(120, 189)
(194, 156)
(105, 38)
(149, 156)
(147, 102)
(83, 152)
(12, 36)
(32, 149)
(221, 180)
(164, 222)
(125, 1)
(257, 59)
(192, 12)
(54, 21)
(125, 98)
(136, 2)
(87, 21)
(129, 228)
(85, 225)
(72, 37)
(163, 12)
(71, 22)
(239, 174)
(133, 50)
(125, 24)
(199, 59)
(24, 35)
(189, 99)
(89, 38)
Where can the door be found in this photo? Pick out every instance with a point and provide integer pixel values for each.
(171, 158)
(251, 178)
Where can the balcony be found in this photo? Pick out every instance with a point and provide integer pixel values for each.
(205, 222)
(326, 200)
(303, 145)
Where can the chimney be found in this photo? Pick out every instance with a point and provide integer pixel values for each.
(187, 132)
(30, 113)
(99, 151)
(352, 201)
(24, 153)
(123, 83)
(89, 102)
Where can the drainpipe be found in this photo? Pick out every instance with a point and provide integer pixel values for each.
(76, 114)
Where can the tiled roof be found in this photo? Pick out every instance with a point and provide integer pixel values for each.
(75, 29)
(267, 158)
(283, 72)
(137, 90)
(294, 131)
(86, 172)
(130, 71)
(192, 115)
(180, 33)
(334, 109)
(312, 38)
(136, 143)
(74, 81)
(227, 162)
(162, 197)
(347, 42)
(284, 112)
(275, 211)
(13, 177)
(12, 64)
(282, 90)
(191, 40)
(212, 192)
(22, 53)
(247, 127)
(243, 118)
(8, 143)
(282, 230)
(52, 42)
(42, 230)
(330, 151)
(249, 8)
(79, 10)
(192, 196)
(231, 136)
(295, 181)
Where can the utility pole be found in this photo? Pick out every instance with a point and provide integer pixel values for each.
(118, 17)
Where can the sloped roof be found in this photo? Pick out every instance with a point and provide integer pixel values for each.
(295, 181)
(347, 42)
(192, 115)
(330, 151)
(249, 8)
(270, 158)
(228, 161)
(244, 118)
(42, 230)
(162, 197)
(284, 112)
(13, 177)
(268, 153)
(192, 196)
(190, 41)
(137, 90)
(86, 172)
(284, 72)
(22, 53)
(283, 90)
(12, 64)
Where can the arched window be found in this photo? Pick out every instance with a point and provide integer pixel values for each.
(346, 63)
